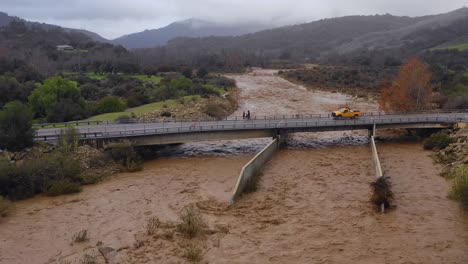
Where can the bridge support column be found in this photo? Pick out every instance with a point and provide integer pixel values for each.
(282, 138)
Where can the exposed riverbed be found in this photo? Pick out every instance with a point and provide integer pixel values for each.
(311, 206)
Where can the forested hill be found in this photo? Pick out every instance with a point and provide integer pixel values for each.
(346, 38)
(23, 44)
(5, 20)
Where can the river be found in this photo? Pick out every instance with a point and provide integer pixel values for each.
(311, 206)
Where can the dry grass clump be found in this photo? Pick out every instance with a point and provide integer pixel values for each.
(152, 226)
(88, 259)
(191, 222)
(382, 192)
(193, 253)
(81, 236)
(138, 243)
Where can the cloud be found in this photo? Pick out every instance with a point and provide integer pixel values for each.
(112, 18)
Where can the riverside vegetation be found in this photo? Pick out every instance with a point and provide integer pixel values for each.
(452, 152)
(60, 170)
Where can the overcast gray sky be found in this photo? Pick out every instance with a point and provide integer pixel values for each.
(113, 18)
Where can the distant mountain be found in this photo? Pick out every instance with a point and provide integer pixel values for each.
(337, 39)
(192, 28)
(5, 20)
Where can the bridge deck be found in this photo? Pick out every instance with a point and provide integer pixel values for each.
(269, 125)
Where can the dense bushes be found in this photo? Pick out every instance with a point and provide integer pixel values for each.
(109, 104)
(125, 154)
(438, 140)
(5, 206)
(39, 174)
(16, 126)
(60, 187)
(43, 99)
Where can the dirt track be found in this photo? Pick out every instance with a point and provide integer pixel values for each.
(309, 208)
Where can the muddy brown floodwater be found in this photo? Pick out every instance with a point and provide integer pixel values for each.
(311, 206)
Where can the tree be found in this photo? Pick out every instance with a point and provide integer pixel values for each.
(45, 96)
(187, 72)
(16, 130)
(9, 89)
(65, 110)
(109, 104)
(201, 73)
(412, 89)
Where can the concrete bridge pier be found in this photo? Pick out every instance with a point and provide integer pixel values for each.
(282, 138)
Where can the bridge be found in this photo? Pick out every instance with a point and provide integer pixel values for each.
(173, 132)
(277, 127)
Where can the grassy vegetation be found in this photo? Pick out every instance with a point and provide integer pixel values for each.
(140, 110)
(61, 187)
(193, 253)
(192, 223)
(152, 226)
(460, 186)
(141, 77)
(438, 140)
(459, 47)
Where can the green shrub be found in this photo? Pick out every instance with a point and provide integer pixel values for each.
(109, 104)
(438, 140)
(457, 172)
(61, 187)
(166, 113)
(214, 109)
(16, 130)
(191, 223)
(125, 154)
(69, 139)
(36, 175)
(5, 206)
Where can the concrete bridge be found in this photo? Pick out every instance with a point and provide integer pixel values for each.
(161, 133)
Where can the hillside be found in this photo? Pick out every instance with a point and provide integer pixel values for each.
(193, 28)
(5, 20)
(344, 39)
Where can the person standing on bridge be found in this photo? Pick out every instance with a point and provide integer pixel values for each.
(243, 115)
(248, 114)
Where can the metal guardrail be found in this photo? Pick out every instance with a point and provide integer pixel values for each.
(237, 118)
(110, 132)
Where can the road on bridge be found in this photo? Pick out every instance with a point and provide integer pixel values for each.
(262, 123)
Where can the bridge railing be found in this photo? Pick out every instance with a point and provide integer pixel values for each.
(239, 118)
(251, 125)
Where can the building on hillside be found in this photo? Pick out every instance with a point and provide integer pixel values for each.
(64, 47)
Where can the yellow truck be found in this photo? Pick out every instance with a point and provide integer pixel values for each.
(346, 112)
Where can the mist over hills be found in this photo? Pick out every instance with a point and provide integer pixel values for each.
(349, 38)
(380, 35)
(192, 28)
